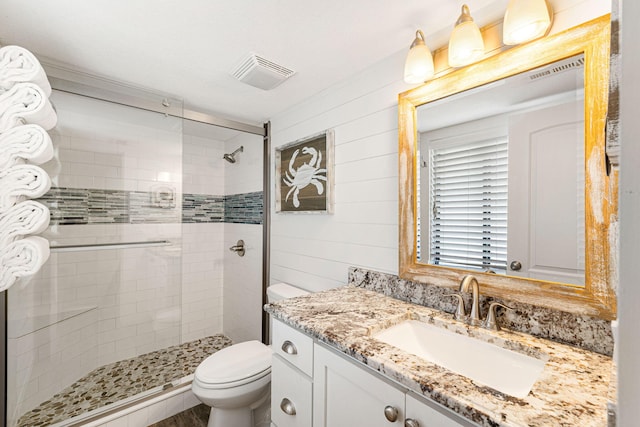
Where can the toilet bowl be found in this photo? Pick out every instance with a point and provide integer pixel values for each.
(236, 380)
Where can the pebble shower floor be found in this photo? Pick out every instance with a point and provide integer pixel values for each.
(120, 380)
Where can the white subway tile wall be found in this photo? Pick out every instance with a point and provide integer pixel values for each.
(202, 279)
(202, 165)
(243, 275)
(243, 283)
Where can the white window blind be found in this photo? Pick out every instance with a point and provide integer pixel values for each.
(468, 198)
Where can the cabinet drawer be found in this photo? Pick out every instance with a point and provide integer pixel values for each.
(290, 389)
(293, 346)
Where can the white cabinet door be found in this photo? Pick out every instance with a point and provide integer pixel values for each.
(346, 395)
(291, 404)
(423, 413)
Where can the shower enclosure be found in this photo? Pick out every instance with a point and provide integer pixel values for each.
(130, 300)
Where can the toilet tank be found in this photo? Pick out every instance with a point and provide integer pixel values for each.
(280, 291)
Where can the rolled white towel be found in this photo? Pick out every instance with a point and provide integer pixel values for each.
(26, 103)
(18, 65)
(22, 181)
(28, 142)
(22, 258)
(28, 217)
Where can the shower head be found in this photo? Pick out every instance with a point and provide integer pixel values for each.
(231, 158)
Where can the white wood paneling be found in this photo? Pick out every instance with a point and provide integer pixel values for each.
(379, 190)
(311, 282)
(628, 345)
(367, 169)
(365, 234)
(308, 250)
(315, 251)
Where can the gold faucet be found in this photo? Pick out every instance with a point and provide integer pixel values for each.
(470, 281)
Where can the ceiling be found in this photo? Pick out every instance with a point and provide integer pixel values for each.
(188, 48)
(559, 82)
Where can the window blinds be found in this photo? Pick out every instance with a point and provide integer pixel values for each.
(468, 195)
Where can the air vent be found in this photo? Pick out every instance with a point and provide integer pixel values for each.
(559, 67)
(259, 72)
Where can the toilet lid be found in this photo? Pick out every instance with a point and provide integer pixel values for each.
(234, 363)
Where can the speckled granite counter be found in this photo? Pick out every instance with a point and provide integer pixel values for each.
(572, 390)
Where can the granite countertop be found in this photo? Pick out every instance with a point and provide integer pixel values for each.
(572, 389)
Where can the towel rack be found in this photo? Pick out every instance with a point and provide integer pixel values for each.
(103, 246)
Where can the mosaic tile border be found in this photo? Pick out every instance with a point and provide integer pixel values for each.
(244, 208)
(202, 208)
(581, 331)
(120, 380)
(76, 206)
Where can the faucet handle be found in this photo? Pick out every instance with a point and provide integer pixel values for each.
(491, 322)
(461, 311)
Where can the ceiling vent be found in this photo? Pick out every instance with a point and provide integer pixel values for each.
(259, 72)
(558, 67)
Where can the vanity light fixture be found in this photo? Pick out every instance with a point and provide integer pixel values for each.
(419, 64)
(526, 20)
(465, 44)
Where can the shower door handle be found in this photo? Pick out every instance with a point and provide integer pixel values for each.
(238, 248)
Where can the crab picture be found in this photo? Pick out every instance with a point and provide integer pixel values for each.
(307, 173)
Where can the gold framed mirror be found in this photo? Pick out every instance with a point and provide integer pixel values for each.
(589, 289)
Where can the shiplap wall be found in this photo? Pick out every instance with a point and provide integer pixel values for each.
(315, 251)
(629, 292)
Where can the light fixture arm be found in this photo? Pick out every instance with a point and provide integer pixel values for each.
(419, 40)
(465, 16)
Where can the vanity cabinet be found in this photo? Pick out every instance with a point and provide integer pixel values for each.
(425, 413)
(345, 395)
(291, 377)
(333, 391)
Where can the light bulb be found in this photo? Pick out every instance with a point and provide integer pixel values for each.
(525, 20)
(465, 44)
(419, 64)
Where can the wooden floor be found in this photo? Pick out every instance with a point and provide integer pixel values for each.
(198, 416)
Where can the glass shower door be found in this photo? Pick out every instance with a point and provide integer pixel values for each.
(111, 290)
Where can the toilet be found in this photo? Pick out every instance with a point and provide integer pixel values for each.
(235, 381)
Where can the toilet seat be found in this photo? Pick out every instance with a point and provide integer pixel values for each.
(232, 384)
(234, 366)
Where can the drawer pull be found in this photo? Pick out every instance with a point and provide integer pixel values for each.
(410, 422)
(289, 348)
(391, 413)
(287, 407)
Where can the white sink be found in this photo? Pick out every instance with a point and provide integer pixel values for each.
(486, 364)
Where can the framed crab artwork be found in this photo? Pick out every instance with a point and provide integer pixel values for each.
(304, 175)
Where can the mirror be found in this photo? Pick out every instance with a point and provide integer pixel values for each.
(503, 174)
